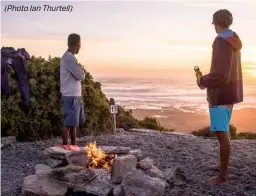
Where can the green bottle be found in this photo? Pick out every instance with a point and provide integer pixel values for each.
(198, 72)
(198, 75)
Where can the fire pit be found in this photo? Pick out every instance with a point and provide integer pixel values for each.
(72, 176)
(98, 158)
(99, 171)
(84, 166)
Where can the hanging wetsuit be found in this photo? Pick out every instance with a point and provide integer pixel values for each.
(17, 60)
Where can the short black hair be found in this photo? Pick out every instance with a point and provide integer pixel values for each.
(73, 39)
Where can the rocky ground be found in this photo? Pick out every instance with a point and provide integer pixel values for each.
(193, 155)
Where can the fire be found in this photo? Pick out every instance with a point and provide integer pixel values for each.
(98, 157)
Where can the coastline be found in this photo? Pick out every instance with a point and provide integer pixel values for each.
(186, 120)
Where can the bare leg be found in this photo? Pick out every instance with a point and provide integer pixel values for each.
(217, 167)
(65, 135)
(224, 140)
(73, 135)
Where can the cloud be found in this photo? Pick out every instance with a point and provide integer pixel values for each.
(186, 42)
(102, 38)
(61, 37)
(249, 65)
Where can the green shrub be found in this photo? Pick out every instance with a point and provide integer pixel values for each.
(205, 132)
(168, 130)
(44, 118)
(150, 123)
(246, 135)
(125, 120)
(233, 131)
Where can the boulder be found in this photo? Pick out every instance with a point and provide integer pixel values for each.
(73, 175)
(144, 130)
(120, 130)
(54, 163)
(175, 176)
(42, 186)
(137, 183)
(137, 153)
(118, 191)
(77, 158)
(56, 152)
(115, 149)
(8, 141)
(41, 169)
(146, 163)
(121, 166)
(100, 186)
(155, 172)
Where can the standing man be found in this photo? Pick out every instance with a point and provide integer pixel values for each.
(71, 75)
(224, 86)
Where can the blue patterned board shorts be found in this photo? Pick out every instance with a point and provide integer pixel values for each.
(220, 117)
(73, 111)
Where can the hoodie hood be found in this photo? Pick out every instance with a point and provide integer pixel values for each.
(232, 38)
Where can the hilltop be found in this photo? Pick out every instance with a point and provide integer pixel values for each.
(193, 155)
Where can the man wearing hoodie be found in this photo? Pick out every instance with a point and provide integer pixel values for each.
(224, 86)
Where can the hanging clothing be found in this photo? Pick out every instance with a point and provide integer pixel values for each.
(18, 61)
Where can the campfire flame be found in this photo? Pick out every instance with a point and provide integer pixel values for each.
(98, 157)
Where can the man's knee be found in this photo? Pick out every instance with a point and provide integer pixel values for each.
(223, 136)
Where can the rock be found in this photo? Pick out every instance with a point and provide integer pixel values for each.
(120, 130)
(37, 186)
(8, 141)
(100, 186)
(56, 152)
(53, 163)
(137, 153)
(155, 172)
(73, 175)
(137, 183)
(77, 158)
(146, 163)
(144, 130)
(115, 149)
(42, 169)
(175, 176)
(118, 191)
(121, 166)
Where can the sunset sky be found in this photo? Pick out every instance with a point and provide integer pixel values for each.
(131, 38)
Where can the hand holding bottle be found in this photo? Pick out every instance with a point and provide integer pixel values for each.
(198, 77)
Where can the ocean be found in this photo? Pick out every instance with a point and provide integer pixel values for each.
(180, 93)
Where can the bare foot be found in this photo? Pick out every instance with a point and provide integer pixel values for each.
(216, 180)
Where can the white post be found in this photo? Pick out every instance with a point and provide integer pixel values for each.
(114, 117)
(113, 110)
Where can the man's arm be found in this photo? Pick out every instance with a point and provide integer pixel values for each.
(74, 68)
(221, 65)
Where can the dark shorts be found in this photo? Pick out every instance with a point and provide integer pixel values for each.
(73, 111)
(220, 117)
